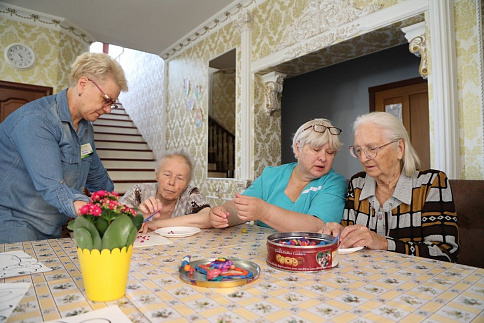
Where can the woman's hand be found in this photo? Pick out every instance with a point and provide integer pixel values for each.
(149, 226)
(219, 217)
(150, 206)
(250, 208)
(360, 236)
(331, 228)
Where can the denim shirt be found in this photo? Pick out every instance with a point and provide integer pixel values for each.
(41, 169)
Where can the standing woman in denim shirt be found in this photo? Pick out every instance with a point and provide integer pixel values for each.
(47, 152)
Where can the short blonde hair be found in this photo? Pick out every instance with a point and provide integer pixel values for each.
(98, 66)
(181, 154)
(305, 136)
(393, 130)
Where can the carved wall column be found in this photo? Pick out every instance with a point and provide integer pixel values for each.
(273, 86)
(417, 40)
(244, 21)
(444, 104)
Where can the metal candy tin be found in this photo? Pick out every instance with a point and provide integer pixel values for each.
(302, 258)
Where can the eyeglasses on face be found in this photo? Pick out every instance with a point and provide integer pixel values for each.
(113, 104)
(370, 152)
(321, 129)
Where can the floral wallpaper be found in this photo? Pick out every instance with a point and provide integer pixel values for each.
(470, 88)
(54, 52)
(182, 130)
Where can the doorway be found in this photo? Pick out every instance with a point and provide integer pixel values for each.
(14, 95)
(408, 100)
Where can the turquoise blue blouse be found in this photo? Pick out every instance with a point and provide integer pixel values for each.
(323, 197)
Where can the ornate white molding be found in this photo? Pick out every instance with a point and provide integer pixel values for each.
(273, 83)
(35, 18)
(443, 78)
(219, 20)
(369, 19)
(246, 111)
(322, 16)
(417, 39)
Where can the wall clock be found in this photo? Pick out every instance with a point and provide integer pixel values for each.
(19, 56)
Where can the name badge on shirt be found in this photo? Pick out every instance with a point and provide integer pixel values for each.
(86, 150)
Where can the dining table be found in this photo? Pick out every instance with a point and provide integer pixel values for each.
(365, 286)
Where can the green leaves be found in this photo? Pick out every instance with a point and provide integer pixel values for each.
(101, 225)
(119, 232)
(89, 236)
(137, 220)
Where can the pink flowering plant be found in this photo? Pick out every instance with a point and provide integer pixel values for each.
(105, 223)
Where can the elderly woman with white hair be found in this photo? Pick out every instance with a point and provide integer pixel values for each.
(299, 196)
(171, 199)
(393, 205)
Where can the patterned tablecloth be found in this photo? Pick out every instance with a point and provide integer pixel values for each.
(367, 286)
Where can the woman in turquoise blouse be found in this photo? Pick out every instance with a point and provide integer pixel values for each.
(300, 196)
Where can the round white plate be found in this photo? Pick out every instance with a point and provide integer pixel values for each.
(177, 232)
(348, 250)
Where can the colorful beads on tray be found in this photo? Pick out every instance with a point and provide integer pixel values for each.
(223, 269)
(186, 265)
(302, 242)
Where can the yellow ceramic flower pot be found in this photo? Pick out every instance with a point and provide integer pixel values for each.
(105, 273)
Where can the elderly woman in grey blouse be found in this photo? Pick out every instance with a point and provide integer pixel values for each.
(174, 201)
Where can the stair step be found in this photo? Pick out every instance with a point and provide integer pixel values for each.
(113, 122)
(112, 116)
(118, 137)
(113, 163)
(142, 176)
(213, 174)
(124, 153)
(111, 144)
(116, 129)
(117, 111)
(123, 186)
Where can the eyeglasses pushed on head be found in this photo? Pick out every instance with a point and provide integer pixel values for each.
(113, 104)
(321, 129)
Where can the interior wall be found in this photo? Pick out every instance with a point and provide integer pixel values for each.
(54, 53)
(340, 93)
(223, 100)
(182, 129)
(146, 92)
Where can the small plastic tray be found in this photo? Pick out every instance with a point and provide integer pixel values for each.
(199, 279)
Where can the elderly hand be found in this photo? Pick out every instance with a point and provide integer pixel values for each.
(150, 206)
(250, 208)
(360, 236)
(149, 226)
(331, 228)
(219, 217)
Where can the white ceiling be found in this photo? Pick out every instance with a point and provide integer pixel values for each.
(151, 26)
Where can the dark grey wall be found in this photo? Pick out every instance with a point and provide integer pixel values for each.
(340, 93)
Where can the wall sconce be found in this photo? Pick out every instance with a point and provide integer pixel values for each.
(416, 37)
(273, 86)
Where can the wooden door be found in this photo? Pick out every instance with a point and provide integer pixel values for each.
(14, 95)
(410, 98)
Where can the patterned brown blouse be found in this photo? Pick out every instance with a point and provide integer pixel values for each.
(419, 219)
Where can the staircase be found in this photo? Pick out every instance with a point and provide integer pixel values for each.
(123, 151)
(221, 151)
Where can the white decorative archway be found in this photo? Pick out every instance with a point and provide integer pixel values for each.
(443, 77)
